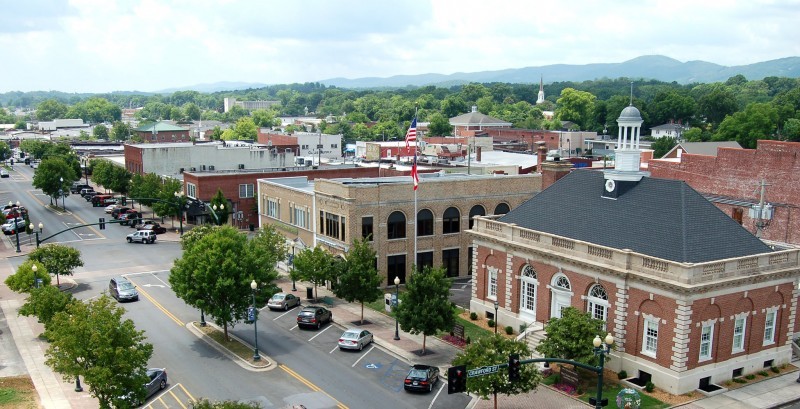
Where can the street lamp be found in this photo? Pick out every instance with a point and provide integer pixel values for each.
(291, 274)
(179, 196)
(601, 348)
(41, 227)
(85, 163)
(496, 306)
(254, 287)
(61, 192)
(221, 208)
(397, 302)
(78, 387)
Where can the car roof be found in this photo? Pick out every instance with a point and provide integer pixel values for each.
(421, 367)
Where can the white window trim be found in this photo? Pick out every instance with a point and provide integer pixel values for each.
(710, 326)
(739, 348)
(773, 311)
(649, 319)
(492, 277)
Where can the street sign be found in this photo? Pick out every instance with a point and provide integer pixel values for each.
(484, 370)
(251, 314)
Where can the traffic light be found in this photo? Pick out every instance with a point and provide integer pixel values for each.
(124, 200)
(513, 367)
(457, 379)
(102, 223)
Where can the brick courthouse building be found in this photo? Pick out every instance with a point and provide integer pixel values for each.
(691, 297)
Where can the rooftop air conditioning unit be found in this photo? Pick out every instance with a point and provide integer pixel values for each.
(203, 167)
(193, 169)
(241, 166)
(210, 167)
(181, 171)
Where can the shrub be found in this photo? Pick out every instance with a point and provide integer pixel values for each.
(740, 380)
(522, 328)
(509, 330)
(649, 386)
(750, 376)
(774, 369)
(473, 316)
(468, 340)
(763, 373)
(491, 323)
(622, 374)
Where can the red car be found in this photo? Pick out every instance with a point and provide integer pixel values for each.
(155, 228)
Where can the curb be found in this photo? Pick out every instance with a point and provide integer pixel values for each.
(270, 363)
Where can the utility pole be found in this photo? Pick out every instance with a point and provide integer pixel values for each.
(763, 212)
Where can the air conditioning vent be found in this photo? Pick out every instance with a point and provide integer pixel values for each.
(181, 171)
(241, 166)
(210, 167)
(193, 169)
(203, 167)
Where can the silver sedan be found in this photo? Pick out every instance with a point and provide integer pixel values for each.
(355, 338)
(283, 301)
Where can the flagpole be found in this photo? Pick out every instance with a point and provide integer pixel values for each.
(414, 261)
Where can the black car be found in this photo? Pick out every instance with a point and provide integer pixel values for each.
(421, 378)
(314, 317)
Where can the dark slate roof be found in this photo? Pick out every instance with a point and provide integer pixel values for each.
(660, 218)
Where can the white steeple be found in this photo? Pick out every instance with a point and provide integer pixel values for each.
(627, 161)
(540, 98)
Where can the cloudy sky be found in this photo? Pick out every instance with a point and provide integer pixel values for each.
(150, 45)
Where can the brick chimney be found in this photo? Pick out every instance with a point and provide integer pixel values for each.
(554, 170)
(541, 154)
(478, 153)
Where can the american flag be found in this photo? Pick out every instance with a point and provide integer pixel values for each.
(414, 174)
(411, 135)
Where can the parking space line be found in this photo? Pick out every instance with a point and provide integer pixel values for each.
(177, 399)
(362, 357)
(292, 328)
(282, 315)
(319, 333)
(439, 392)
(191, 398)
(334, 348)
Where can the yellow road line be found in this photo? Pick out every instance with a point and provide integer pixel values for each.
(313, 387)
(177, 399)
(159, 306)
(191, 398)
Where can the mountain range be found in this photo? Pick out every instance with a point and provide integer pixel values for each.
(656, 67)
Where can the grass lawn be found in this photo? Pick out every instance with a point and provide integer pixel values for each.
(610, 392)
(17, 392)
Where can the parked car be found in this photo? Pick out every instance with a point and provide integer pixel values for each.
(3, 173)
(142, 236)
(355, 338)
(10, 227)
(77, 187)
(110, 208)
(283, 301)
(421, 378)
(122, 289)
(157, 381)
(87, 190)
(314, 317)
(89, 195)
(130, 218)
(155, 228)
(144, 222)
(119, 210)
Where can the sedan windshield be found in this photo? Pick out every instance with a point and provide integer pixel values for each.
(278, 297)
(125, 286)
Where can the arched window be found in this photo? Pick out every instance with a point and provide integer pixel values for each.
(425, 223)
(562, 282)
(451, 222)
(560, 295)
(396, 226)
(501, 208)
(476, 210)
(528, 287)
(598, 302)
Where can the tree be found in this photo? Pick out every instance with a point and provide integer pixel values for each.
(717, 104)
(192, 111)
(120, 131)
(91, 339)
(245, 129)
(49, 175)
(216, 269)
(570, 337)
(50, 109)
(228, 404)
(58, 259)
(45, 302)
(576, 106)
(425, 306)
(494, 350)
(662, 145)
(5, 151)
(791, 130)
(314, 265)
(439, 125)
(100, 132)
(24, 280)
(223, 208)
(359, 279)
(757, 121)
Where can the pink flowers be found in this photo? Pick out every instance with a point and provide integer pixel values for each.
(568, 389)
(455, 341)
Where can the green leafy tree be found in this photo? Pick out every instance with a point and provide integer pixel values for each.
(34, 147)
(222, 207)
(5, 151)
(45, 302)
(314, 265)
(245, 129)
(263, 118)
(570, 337)
(50, 109)
(359, 279)
(425, 306)
(662, 145)
(53, 177)
(192, 111)
(757, 121)
(100, 132)
(228, 404)
(58, 259)
(91, 339)
(439, 125)
(120, 131)
(166, 206)
(145, 187)
(24, 279)
(216, 133)
(494, 350)
(717, 104)
(576, 106)
(696, 134)
(791, 130)
(216, 269)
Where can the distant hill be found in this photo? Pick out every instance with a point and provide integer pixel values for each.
(214, 87)
(656, 67)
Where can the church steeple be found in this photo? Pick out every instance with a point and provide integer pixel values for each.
(540, 97)
(627, 155)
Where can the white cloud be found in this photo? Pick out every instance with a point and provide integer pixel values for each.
(98, 46)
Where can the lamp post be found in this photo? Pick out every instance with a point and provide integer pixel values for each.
(16, 223)
(601, 348)
(61, 192)
(41, 227)
(85, 162)
(78, 387)
(496, 306)
(254, 287)
(179, 196)
(397, 302)
(221, 208)
(294, 288)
